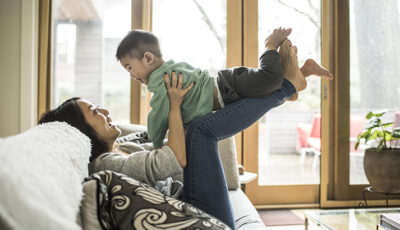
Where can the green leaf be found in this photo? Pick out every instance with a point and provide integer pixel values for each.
(365, 133)
(369, 115)
(396, 132)
(385, 125)
(380, 146)
(367, 136)
(376, 132)
(388, 135)
(378, 113)
(372, 123)
(357, 142)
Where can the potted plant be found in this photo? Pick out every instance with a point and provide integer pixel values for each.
(382, 156)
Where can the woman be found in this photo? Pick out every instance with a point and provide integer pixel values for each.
(145, 165)
(140, 161)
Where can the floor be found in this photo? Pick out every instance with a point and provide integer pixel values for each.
(289, 169)
(294, 227)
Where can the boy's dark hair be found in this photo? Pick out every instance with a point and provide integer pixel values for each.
(70, 112)
(136, 43)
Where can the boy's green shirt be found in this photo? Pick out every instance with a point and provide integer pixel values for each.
(197, 102)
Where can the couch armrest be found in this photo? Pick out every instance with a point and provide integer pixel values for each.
(227, 152)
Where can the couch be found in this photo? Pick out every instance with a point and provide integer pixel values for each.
(42, 173)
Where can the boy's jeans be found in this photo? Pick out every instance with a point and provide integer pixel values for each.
(204, 181)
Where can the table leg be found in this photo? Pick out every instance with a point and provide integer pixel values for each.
(306, 223)
(243, 187)
(365, 198)
(387, 200)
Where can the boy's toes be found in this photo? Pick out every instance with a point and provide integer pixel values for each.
(287, 32)
(284, 49)
(294, 48)
(286, 43)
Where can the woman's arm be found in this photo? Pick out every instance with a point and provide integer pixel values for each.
(176, 135)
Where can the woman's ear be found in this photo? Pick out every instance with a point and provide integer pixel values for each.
(149, 57)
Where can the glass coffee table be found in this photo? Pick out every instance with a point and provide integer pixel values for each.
(342, 219)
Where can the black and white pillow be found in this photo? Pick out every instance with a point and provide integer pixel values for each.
(124, 203)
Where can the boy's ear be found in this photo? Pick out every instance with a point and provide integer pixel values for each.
(149, 57)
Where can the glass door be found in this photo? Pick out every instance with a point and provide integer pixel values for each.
(373, 83)
(374, 71)
(204, 33)
(288, 138)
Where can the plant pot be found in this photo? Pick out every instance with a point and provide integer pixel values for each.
(383, 169)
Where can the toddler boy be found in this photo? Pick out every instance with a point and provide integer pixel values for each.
(139, 53)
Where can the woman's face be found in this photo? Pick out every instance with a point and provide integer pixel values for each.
(99, 120)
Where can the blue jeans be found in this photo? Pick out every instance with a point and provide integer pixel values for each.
(204, 181)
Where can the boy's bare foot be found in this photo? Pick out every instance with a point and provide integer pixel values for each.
(311, 67)
(290, 67)
(274, 40)
(284, 54)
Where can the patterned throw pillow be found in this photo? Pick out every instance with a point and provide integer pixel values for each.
(124, 203)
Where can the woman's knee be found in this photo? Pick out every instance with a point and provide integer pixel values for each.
(199, 127)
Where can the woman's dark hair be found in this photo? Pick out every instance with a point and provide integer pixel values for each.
(70, 112)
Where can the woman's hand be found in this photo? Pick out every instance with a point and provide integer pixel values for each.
(176, 135)
(175, 91)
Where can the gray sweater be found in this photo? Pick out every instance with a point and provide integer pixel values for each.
(155, 167)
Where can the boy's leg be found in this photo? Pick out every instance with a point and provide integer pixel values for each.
(286, 53)
(290, 68)
(274, 67)
(310, 67)
(204, 181)
(256, 82)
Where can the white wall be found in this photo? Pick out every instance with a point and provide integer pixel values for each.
(18, 65)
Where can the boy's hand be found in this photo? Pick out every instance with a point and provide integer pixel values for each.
(175, 91)
(277, 37)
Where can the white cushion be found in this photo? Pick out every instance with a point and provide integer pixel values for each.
(41, 175)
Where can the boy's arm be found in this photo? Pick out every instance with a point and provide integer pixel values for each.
(247, 81)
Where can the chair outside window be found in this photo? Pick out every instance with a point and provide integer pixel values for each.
(309, 136)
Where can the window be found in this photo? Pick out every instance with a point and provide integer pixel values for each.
(374, 70)
(86, 36)
(282, 159)
(198, 34)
